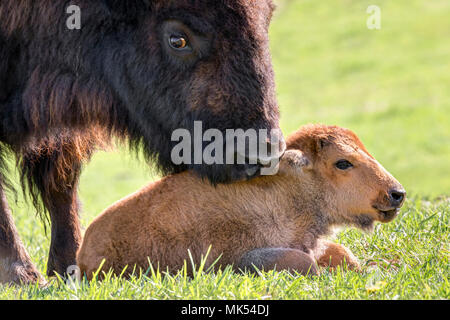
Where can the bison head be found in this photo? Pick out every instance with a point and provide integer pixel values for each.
(171, 63)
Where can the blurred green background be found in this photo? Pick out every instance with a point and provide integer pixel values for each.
(391, 86)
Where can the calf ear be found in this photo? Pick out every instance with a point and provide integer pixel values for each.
(294, 160)
(319, 143)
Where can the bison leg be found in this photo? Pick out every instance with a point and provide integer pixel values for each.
(53, 175)
(66, 235)
(15, 263)
(330, 254)
(278, 259)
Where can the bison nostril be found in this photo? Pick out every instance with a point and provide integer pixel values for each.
(277, 144)
(271, 149)
(277, 147)
(397, 197)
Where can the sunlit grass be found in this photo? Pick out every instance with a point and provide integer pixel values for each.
(406, 259)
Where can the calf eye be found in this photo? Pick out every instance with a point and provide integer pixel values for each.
(343, 165)
(178, 42)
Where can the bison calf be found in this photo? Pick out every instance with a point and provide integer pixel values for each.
(327, 178)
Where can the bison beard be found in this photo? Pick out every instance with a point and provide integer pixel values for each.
(64, 93)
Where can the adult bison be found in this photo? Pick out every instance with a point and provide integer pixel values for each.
(136, 70)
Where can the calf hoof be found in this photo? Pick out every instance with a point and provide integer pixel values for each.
(335, 255)
(20, 273)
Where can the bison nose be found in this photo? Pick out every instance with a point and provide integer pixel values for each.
(397, 197)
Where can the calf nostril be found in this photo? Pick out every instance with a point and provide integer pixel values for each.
(397, 196)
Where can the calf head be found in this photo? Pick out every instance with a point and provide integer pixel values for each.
(340, 177)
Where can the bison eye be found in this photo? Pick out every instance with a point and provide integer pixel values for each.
(178, 42)
(343, 165)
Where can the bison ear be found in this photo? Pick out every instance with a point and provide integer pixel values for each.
(294, 160)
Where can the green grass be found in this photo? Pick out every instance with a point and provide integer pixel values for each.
(391, 87)
(407, 259)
